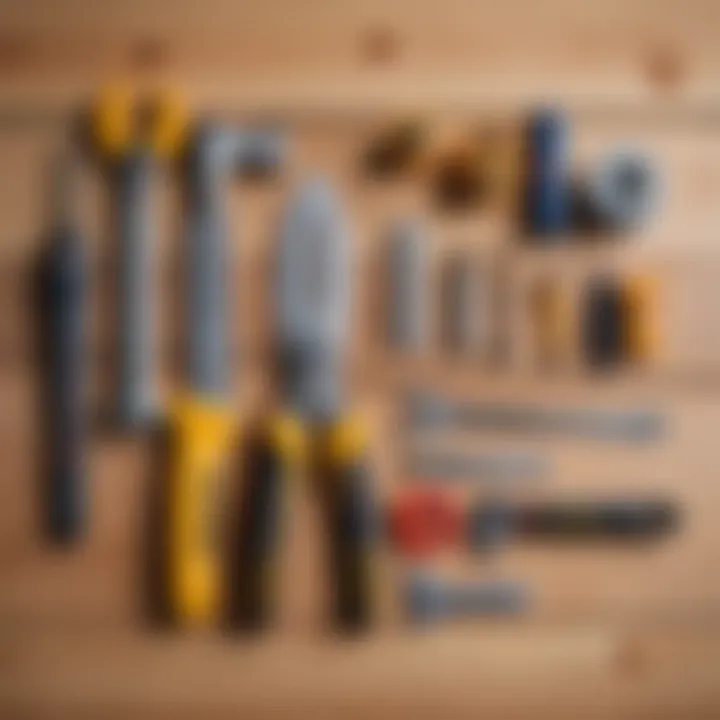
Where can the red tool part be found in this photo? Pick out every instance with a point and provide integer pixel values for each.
(424, 521)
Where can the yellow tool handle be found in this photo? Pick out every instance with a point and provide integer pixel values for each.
(351, 523)
(115, 121)
(641, 326)
(202, 433)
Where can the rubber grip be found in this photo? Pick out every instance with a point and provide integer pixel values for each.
(260, 524)
(63, 292)
(611, 518)
(136, 353)
(202, 433)
(351, 529)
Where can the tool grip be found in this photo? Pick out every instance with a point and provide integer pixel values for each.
(136, 395)
(351, 525)
(63, 289)
(201, 436)
(272, 459)
(611, 518)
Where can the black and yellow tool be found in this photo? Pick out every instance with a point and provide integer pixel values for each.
(311, 433)
(202, 422)
(134, 133)
(622, 320)
(641, 318)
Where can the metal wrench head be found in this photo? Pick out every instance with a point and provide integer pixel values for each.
(313, 299)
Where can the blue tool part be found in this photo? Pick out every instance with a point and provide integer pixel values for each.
(63, 295)
(429, 599)
(548, 207)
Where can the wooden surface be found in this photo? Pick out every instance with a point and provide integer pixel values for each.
(610, 633)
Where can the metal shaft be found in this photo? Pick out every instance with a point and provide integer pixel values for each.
(215, 153)
(618, 425)
(406, 287)
(136, 401)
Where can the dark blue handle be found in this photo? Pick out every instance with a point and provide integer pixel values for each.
(63, 294)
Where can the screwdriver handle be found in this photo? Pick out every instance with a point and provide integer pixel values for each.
(202, 431)
(273, 458)
(610, 518)
(351, 524)
(63, 291)
(136, 401)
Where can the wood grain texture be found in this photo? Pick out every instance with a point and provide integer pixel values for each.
(610, 633)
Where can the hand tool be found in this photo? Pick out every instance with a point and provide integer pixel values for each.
(426, 410)
(632, 519)
(552, 315)
(312, 307)
(501, 301)
(547, 189)
(63, 295)
(622, 192)
(396, 149)
(429, 599)
(602, 323)
(134, 134)
(407, 281)
(202, 423)
(640, 318)
(461, 304)
(422, 522)
(496, 466)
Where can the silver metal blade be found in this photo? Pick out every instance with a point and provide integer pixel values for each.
(313, 296)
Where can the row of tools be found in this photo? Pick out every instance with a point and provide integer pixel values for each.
(309, 433)
(613, 322)
(528, 170)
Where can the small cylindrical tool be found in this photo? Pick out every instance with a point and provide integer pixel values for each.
(602, 323)
(551, 311)
(406, 286)
(461, 304)
(547, 189)
(640, 318)
(63, 296)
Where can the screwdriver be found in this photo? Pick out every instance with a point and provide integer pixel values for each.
(62, 292)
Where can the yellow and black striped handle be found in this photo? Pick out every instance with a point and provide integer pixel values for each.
(273, 458)
(351, 523)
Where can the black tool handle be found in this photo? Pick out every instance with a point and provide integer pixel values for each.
(351, 525)
(267, 469)
(610, 518)
(62, 292)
